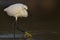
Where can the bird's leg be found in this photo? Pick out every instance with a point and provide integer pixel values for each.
(14, 32)
(16, 18)
(20, 30)
(15, 25)
(27, 35)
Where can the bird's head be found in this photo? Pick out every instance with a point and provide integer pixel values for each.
(25, 7)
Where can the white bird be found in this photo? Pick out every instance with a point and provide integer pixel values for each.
(17, 10)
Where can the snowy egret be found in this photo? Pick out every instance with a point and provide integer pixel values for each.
(18, 10)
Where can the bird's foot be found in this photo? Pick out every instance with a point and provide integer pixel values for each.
(28, 35)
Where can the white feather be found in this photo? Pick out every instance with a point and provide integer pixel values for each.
(17, 10)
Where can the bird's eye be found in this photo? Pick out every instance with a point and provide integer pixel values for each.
(25, 7)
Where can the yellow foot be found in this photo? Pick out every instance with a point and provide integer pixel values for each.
(27, 35)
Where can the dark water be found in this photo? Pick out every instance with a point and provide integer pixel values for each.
(43, 21)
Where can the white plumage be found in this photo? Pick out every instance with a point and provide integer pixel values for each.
(17, 10)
